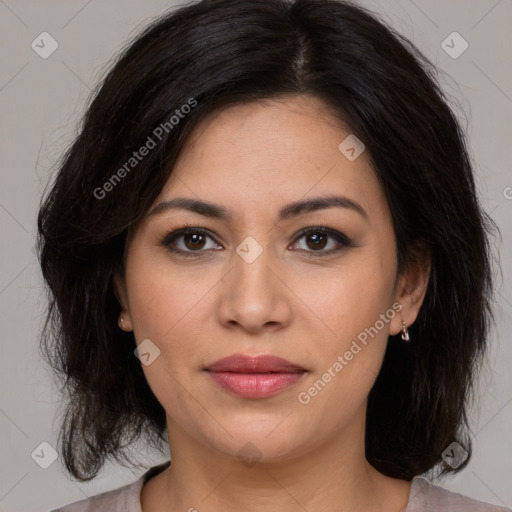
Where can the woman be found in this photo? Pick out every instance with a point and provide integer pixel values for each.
(266, 245)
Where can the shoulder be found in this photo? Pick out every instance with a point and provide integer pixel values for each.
(122, 499)
(428, 497)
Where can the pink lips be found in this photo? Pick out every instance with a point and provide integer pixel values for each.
(254, 377)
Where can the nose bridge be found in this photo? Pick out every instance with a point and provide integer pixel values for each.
(252, 295)
(252, 268)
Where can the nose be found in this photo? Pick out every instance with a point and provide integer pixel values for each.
(253, 294)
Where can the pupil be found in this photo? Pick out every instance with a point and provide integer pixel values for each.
(195, 240)
(316, 237)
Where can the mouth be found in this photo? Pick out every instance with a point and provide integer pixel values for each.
(254, 376)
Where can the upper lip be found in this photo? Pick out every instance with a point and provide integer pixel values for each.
(239, 363)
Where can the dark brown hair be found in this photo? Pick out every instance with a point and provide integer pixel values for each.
(211, 54)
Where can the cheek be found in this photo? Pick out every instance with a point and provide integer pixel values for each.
(171, 306)
(350, 349)
(350, 334)
(162, 303)
(162, 295)
(349, 298)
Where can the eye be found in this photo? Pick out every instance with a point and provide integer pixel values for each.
(193, 240)
(318, 238)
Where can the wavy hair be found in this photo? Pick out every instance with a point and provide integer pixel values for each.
(223, 52)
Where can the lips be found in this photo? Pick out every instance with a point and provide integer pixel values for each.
(255, 376)
(254, 364)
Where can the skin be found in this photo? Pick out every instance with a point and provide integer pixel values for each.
(254, 159)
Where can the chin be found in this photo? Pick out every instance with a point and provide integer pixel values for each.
(261, 443)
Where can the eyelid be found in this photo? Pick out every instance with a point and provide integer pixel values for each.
(186, 229)
(342, 239)
(334, 233)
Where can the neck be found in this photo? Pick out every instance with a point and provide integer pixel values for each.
(334, 475)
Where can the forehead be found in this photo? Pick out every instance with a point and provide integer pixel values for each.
(261, 155)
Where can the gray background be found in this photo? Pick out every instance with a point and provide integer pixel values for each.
(42, 100)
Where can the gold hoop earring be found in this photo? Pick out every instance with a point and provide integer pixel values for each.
(405, 332)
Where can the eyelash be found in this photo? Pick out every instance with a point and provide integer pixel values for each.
(190, 229)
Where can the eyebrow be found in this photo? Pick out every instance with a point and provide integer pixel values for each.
(290, 210)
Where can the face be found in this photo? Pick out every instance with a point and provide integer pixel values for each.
(315, 286)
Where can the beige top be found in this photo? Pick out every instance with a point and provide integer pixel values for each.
(424, 497)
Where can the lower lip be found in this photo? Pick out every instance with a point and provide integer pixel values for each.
(255, 385)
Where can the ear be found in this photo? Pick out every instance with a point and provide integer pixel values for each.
(411, 287)
(124, 320)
